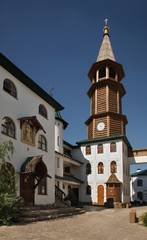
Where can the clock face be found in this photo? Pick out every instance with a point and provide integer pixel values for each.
(100, 126)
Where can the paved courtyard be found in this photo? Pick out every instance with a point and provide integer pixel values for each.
(95, 225)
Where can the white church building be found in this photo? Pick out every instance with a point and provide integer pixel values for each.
(97, 169)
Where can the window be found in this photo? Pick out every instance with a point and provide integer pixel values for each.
(113, 147)
(139, 182)
(112, 73)
(100, 148)
(140, 195)
(113, 167)
(42, 144)
(8, 127)
(102, 73)
(100, 168)
(42, 111)
(88, 190)
(42, 186)
(66, 169)
(58, 140)
(9, 87)
(88, 168)
(88, 150)
(58, 162)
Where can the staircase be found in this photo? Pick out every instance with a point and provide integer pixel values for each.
(42, 213)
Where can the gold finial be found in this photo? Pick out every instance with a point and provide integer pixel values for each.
(106, 22)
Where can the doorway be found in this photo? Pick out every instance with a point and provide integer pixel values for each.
(100, 195)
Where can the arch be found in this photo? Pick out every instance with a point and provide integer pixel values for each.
(102, 72)
(42, 111)
(113, 147)
(8, 127)
(100, 168)
(100, 148)
(113, 167)
(42, 143)
(9, 87)
(88, 150)
(88, 168)
(112, 73)
(88, 190)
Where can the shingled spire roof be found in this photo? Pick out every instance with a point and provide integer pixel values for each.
(106, 51)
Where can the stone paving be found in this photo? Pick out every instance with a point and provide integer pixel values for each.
(108, 224)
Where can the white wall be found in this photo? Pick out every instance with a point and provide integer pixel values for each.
(27, 104)
(94, 179)
(134, 188)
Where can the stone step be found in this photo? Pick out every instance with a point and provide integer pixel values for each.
(42, 215)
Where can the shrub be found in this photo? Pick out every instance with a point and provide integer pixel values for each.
(144, 219)
(9, 203)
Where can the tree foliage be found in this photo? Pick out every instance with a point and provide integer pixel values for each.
(8, 199)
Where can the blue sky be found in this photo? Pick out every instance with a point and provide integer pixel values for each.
(55, 43)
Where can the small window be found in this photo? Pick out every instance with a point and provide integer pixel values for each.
(88, 190)
(102, 73)
(42, 187)
(112, 73)
(139, 182)
(100, 148)
(8, 127)
(58, 140)
(88, 168)
(113, 167)
(9, 87)
(113, 147)
(100, 168)
(88, 150)
(42, 144)
(58, 162)
(140, 195)
(42, 111)
(66, 169)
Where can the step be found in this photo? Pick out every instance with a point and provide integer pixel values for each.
(43, 215)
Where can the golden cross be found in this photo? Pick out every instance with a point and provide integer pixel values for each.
(106, 21)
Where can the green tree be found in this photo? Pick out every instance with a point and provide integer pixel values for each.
(9, 202)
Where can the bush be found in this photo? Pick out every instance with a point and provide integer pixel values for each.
(9, 203)
(144, 219)
(8, 209)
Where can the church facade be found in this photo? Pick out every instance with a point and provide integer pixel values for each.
(96, 170)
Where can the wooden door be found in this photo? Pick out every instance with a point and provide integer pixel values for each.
(100, 195)
(27, 189)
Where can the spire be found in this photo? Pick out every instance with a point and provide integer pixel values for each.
(106, 51)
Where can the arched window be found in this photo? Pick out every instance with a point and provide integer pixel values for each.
(9, 87)
(113, 147)
(42, 111)
(100, 148)
(88, 150)
(42, 144)
(100, 168)
(42, 186)
(8, 127)
(139, 182)
(102, 72)
(112, 73)
(88, 190)
(113, 167)
(140, 195)
(88, 168)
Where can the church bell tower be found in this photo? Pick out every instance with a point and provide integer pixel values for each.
(106, 118)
